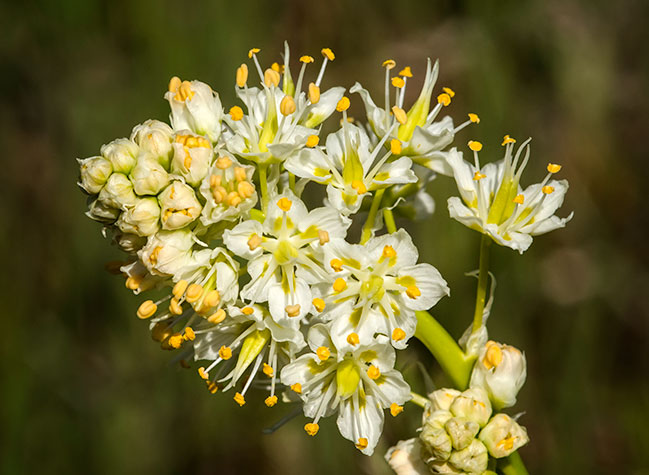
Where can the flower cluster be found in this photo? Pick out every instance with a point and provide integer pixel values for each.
(265, 292)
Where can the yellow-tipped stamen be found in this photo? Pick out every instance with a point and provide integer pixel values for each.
(336, 264)
(254, 241)
(225, 352)
(493, 356)
(475, 145)
(413, 291)
(242, 75)
(444, 99)
(189, 335)
(223, 163)
(284, 204)
(507, 140)
(292, 310)
(323, 237)
(520, 199)
(474, 118)
(548, 189)
(236, 113)
(400, 115)
(133, 283)
(306, 59)
(203, 374)
(339, 285)
(362, 443)
(239, 399)
(353, 339)
(247, 311)
(312, 141)
(268, 370)
(406, 72)
(212, 298)
(319, 304)
(314, 93)
(343, 104)
(217, 317)
(287, 105)
(373, 372)
(449, 91)
(194, 292)
(276, 67)
(270, 401)
(175, 341)
(296, 388)
(398, 334)
(398, 82)
(311, 428)
(553, 168)
(212, 387)
(395, 409)
(323, 353)
(388, 252)
(389, 64)
(327, 53)
(146, 309)
(174, 84)
(395, 146)
(477, 176)
(253, 51)
(359, 186)
(271, 77)
(179, 289)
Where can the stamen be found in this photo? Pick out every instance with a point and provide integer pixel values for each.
(254, 242)
(493, 356)
(253, 51)
(319, 304)
(323, 353)
(284, 204)
(194, 292)
(306, 59)
(389, 64)
(477, 176)
(147, 309)
(395, 409)
(189, 334)
(242, 75)
(270, 401)
(449, 91)
(373, 372)
(312, 141)
(161, 331)
(444, 99)
(507, 140)
(398, 82)
(212, 387)
(225, 352)
(292, 310)
(339, 285)
(359, 186)
(475, 145)
(203, 374)
(223, 163)
(271, 78)
(236, 113)
(314, 93)
(400, 115)
(311, 428)
(179, 288)
(553, 168)
(296, 388)
(353, 339)
(287, 105)
(406, 72)
(175, 340)
(327, 53)
(268, 370)
(276, 67)
(247, 311)
(133, 283)
(217, 317)
(520, 199)
(395, 146)
(474, 118)
(174, 307)
(212, 298)
(388, 252)
(343, 104)
(323, 237)
(174, 84)
(413, 291)
(239, 399)
(398, 334)
(336, 264)
(548, 189)
(362, 443)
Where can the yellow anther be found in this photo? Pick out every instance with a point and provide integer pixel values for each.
(359, 186)
(343, 104)
(477, 176)
(203, 374)
(474, 118)
(292, 310)
(311, 428)
(242, 75)
(475, 145)
(268, 370)
(400, 115)
(287, 105)
(362, 443)
(327, 53)
(245, 189)
(312, 141)
(395, 146)
(413, 291)
(194, 292)
(233, 199)
(449, 91)
(306, 59)
(336, 264)
(507, 139)
(395, 409)
(444, 99)
(353, 339)
(323, 237)
(223, 163)
(373, 372)
(236, 113)
(339, 284)
(253, 51)
(212, 298)
(133, 283)
(270, 401)
(406, 72)
(520, 199)
(388, 252)
(398, 334)
(553, 168)
(271, 77)
(493, 356)
(547, 189)
(239, 399)
(175, 340)
(217, 317)
(398, 82)
(247, 311)
(189, 334)
(276, 67)
(240, 174)
(184, 91)
(212, 387)
(254, 241)
(296, 388)
(174, 84)
(319, 304)
(284, 204)
(323, 353)
(389, 63)
(507, 443)
(225, 352)
(314, 93)
(147, 309)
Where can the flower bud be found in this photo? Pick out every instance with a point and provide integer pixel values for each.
(472, 459)
(405, 458)
(443, 468)
(503, 436)
(99, 211)
(129, 243)
(436, 441)
(501, 371)
(192, 156)
(154, 138)
(462, 431)
(94, 172)
(472, 404)
(148, 176)
(443, 398)
(142, 219)
(179, 205)
(118, 192)
(168, 253)
(121, 153)
(196, 107)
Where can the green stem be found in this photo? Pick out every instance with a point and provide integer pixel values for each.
(483, 275)
(263, 184)
(367, 227)
(512, 465)
(388, 217)
(418, 400)
(444, 348)
(291, 181)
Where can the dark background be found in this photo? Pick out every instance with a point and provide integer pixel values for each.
(84, 388)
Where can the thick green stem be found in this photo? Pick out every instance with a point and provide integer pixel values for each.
(367, 228)
(483, 275)
(388, 218)
(263, 184)
(291, 181)
(444, 348)
(418, 400)
(512, 465)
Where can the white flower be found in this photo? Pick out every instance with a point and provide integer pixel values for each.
(196, 107)
(357, 384)
(154, 138)
(191, 158)
(501, 371)
(349, 168)
(228, 190)
(179, 206)
(494, 203)
(142, 219)
(503, 436)
(405, 458)
(378, 287)
(418, 135)
(148, 175)
(118, 192)
(169, 253)
(121, 153)
(284, 254)
(94, 173)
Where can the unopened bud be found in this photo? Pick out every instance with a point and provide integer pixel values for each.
(154, 138)
(118, 192)
(142, 219)
(192, 163)
(99, 211)
(196, 108)
(121, 153)
(129, 243)
(503, 436)
(472, 459)
(179, 206)
(462, 431)
(94, 173)
(474, 405)
(149, 176)
(433, 436)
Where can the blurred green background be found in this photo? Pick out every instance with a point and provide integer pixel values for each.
(84, 388)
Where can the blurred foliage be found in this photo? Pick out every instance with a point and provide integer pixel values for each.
(84, 389)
